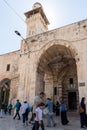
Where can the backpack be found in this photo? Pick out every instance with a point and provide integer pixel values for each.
(27, 110)
(19, 105)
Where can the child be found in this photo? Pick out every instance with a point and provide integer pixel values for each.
(9, 108)
(38, 118)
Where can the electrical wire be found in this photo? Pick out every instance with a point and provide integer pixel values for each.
(13, 10)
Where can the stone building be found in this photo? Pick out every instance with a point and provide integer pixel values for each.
(51, 61)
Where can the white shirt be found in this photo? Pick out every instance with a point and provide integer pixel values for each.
(39, 111)
(24, 107)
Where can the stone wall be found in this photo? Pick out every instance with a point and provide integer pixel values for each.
(12, 74)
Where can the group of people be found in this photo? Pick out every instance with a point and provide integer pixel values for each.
(45, 107)
(25, 109)
(5, 109)
(38, 110)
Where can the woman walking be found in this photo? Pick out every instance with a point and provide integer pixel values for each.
(63, 112)
(83, 114)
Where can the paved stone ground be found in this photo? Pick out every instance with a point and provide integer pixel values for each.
(7, 123)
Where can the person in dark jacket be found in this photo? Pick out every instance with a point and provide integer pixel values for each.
(17, 107)
(83, 114)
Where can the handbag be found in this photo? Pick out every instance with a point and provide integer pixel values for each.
(45, 111)
(80, 109)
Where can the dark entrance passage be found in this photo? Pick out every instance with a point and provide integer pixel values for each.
(72, 101)
(4, 91)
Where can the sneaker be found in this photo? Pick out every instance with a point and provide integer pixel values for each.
(54, 125)
(19, 119)
(26, 123)
(83, 127)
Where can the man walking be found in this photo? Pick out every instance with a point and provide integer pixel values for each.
(37, 100)
(50, 117)
(17, 107)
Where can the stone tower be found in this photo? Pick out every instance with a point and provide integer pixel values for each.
(36, 20)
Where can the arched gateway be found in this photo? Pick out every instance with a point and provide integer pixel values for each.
(5, 91)
(57, 73)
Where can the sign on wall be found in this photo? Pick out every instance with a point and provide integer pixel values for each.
(82, 84)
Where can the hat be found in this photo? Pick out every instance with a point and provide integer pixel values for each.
(25, 100)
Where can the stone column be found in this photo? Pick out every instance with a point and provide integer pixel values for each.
(39, 83)
(49, 85)
(27, 70)
(82, 78)
(59, 89)
(14, 89)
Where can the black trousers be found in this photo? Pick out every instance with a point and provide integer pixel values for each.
(37, 125)
(33, 116)
(25, 117)
(64, 119)
(83, 119)
(17, 114)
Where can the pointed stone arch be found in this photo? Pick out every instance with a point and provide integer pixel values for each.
(67, 44)
(5, 91)
(56, 60)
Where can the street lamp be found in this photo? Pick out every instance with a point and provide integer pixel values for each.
(22, 39)
(19, 35)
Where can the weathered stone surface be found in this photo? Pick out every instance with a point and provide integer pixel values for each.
(48, 61)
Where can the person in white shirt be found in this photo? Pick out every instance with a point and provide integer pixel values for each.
(25, 108)
(37, 100)
(38, 118)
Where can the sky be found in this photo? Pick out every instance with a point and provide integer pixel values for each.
(58, 12)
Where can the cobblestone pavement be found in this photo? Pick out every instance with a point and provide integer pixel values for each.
(7, 123)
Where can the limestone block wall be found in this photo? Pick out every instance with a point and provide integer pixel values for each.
(13, 60)
(73, 32)
(66, 86)
(14, 89)
(27, 70)
(39, 83)
(49, 85)
(9, 58)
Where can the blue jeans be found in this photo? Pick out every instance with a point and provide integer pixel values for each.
(50, 119)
